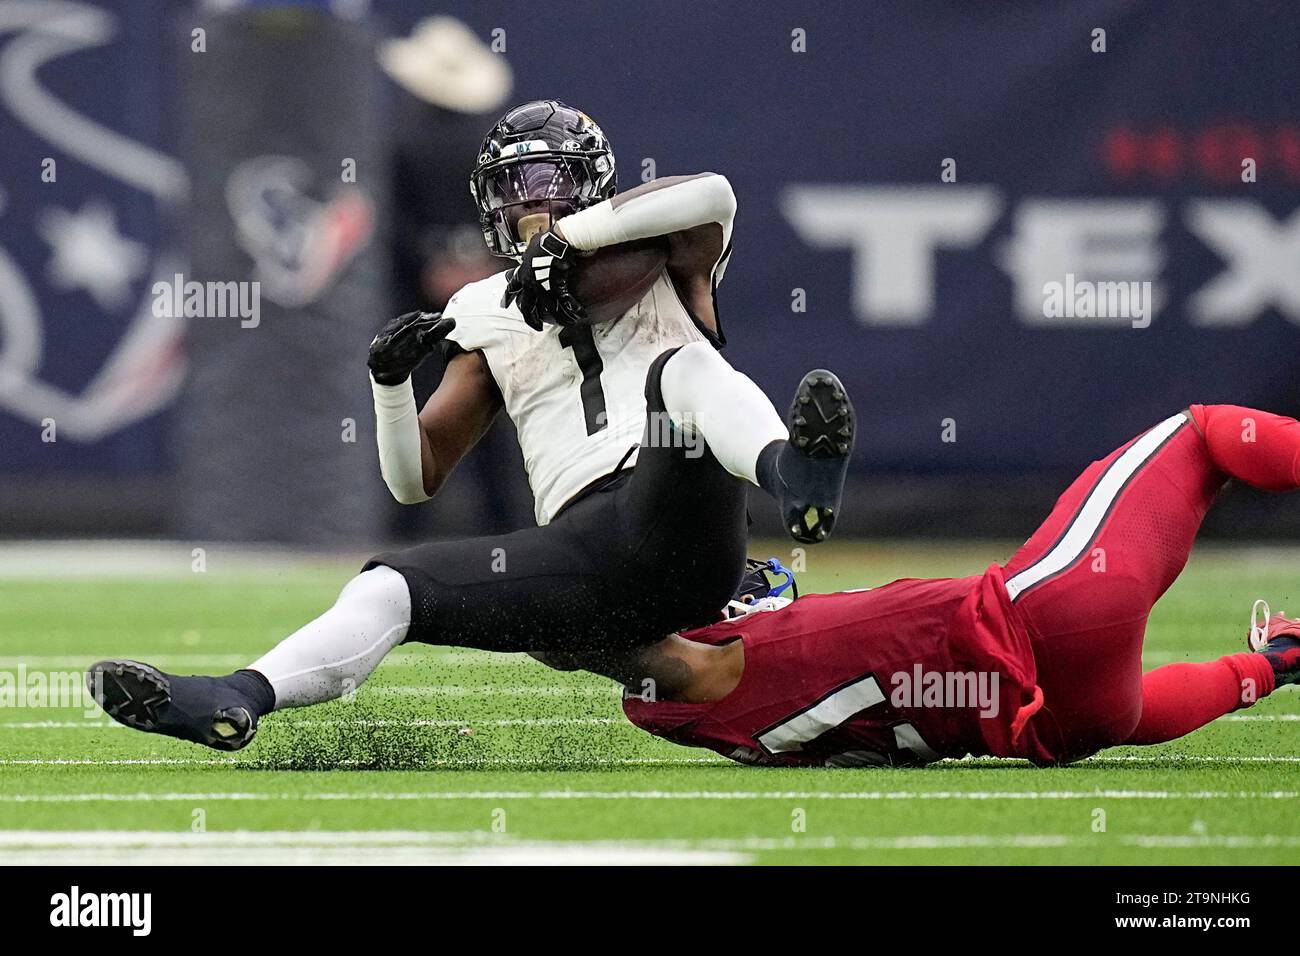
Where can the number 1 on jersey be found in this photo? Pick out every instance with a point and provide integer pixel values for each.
(583, 343)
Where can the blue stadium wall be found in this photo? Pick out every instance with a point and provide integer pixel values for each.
(833, 123)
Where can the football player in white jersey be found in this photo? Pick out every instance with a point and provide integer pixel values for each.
(639, 441)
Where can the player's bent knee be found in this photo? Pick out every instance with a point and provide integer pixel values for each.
(677, 373)
(379, 587)
(695, 358)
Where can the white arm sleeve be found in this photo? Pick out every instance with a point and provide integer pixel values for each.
(684, 205)
(397, 432)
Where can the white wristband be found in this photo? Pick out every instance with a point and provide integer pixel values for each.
(592, 228)
(397, 432)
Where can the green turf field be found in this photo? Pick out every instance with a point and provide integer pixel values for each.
(450, 755)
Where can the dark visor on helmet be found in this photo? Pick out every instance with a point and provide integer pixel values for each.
(558, 186)
(506, 219)
(537, 180)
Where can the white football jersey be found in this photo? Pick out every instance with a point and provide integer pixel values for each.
(576, 395)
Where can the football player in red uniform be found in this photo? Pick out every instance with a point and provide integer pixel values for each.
(1040, 658)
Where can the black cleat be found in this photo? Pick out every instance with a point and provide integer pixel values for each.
(813, 465)
(204, 710)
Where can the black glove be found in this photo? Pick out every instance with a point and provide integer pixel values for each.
(540, 283)
(403, 343)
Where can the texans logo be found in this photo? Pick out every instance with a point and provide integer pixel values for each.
(82, 208)
(78, 204)
(299, 244)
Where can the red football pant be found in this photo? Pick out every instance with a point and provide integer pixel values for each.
(1119, 536)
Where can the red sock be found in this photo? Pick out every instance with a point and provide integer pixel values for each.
(1260, 448)
(1179, 698)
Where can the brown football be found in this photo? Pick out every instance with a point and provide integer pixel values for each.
(613, 279)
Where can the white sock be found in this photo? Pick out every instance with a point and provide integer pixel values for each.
(705, 395)
(333, 654)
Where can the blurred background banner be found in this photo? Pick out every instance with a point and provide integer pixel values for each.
(913, 180)
(88, 181)
(274, 432)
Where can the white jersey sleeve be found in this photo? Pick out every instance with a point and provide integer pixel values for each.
(481, 322)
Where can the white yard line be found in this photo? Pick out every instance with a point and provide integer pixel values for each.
(219, 855)
(1006, 841)
(418, 847)
(726, 795)
(1223, 842)
(985, 841)
(333, 847)
(1191, 758)
(1259, 718)
(118, 559)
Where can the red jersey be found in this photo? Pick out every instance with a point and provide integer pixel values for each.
(906, 673)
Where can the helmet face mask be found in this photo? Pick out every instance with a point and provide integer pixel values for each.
(542, 157)
(515, 189)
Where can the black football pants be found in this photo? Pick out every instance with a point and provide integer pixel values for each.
(659, 548)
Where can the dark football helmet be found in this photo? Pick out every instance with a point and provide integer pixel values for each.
(540, 157)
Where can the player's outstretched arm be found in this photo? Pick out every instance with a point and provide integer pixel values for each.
(694, 212)
(418, 450)
(661, 207)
